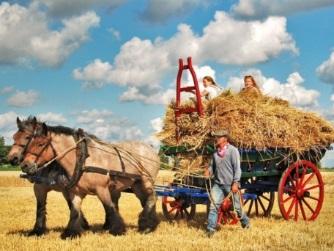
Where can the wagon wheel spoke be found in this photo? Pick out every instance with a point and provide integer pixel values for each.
(312, 187)
(262, 206)
(296, 210)
(313, 198)
(308, 206)
(246, 202)
(288, 198)
(291, 206)
(302, 209)
(264, 197)
(256, 208)
(308, 179)
(250, 207)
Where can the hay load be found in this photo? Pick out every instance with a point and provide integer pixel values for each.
(253, 121)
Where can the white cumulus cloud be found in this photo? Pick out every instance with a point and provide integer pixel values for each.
(142, 64)
(52, 118)
(156, 125)
(66, 8)
(105, 125)
(292, 90)
(25, 35)
(325, 71)
(23, 98)
(264, 8)
(8, 126)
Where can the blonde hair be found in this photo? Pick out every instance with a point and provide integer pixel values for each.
(210, 79)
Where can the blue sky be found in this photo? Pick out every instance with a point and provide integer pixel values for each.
(110, 66)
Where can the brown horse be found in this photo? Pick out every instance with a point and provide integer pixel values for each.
(54, 178)
(107, 168)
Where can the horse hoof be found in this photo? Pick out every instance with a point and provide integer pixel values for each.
(85, 225)
(37, 232)
(117, 232)
(106, 226)
(146, 231)
(69, 234)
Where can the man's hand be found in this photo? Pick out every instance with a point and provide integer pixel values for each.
(235, 187)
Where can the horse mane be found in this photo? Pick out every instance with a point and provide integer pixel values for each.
(68, 131)
(62, 130)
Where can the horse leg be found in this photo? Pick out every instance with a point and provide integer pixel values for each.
(116, 224)
(115, 195)
(40, 192)
(74, 227)
(148, 219)
(83, 220)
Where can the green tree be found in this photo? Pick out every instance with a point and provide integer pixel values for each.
(3, 151)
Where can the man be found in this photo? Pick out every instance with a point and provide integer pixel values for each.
(225, 168)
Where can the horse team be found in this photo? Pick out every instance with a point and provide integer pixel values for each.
(82, 165)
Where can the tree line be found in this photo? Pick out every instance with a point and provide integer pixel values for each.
(4, 150)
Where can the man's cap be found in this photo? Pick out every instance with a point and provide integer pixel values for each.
(220, 133)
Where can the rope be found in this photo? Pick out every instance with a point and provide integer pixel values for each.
(61, 155)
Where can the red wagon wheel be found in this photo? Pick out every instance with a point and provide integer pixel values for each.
(301, 191)
(177, 208)
(258, 203)
(226, 215)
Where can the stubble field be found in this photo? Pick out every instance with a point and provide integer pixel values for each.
(17, 215)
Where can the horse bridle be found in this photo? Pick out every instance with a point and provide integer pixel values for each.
(25, 146)
(38, 155)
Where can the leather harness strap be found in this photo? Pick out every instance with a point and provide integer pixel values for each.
(120, 159)
(111, 173)
(82, 154)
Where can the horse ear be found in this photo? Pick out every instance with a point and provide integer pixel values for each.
(19, 123)
(34, 121)
(44, 129)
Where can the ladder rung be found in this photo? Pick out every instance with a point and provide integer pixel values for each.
(185, 110)
(185, 67)
(187, 88)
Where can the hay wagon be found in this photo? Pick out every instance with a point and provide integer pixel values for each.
(298, 183)
(295, 178)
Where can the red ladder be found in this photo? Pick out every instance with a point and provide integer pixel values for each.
(198, 106)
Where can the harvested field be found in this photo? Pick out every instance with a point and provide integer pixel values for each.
(18, 212)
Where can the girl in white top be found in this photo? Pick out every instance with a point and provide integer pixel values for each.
(211, 90)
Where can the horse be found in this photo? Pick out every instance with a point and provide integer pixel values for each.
(106, 167)
(53, 179)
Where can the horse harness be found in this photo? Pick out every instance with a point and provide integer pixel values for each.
(82, 154)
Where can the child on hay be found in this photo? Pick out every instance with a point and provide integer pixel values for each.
(211, 89)
(250, 86)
